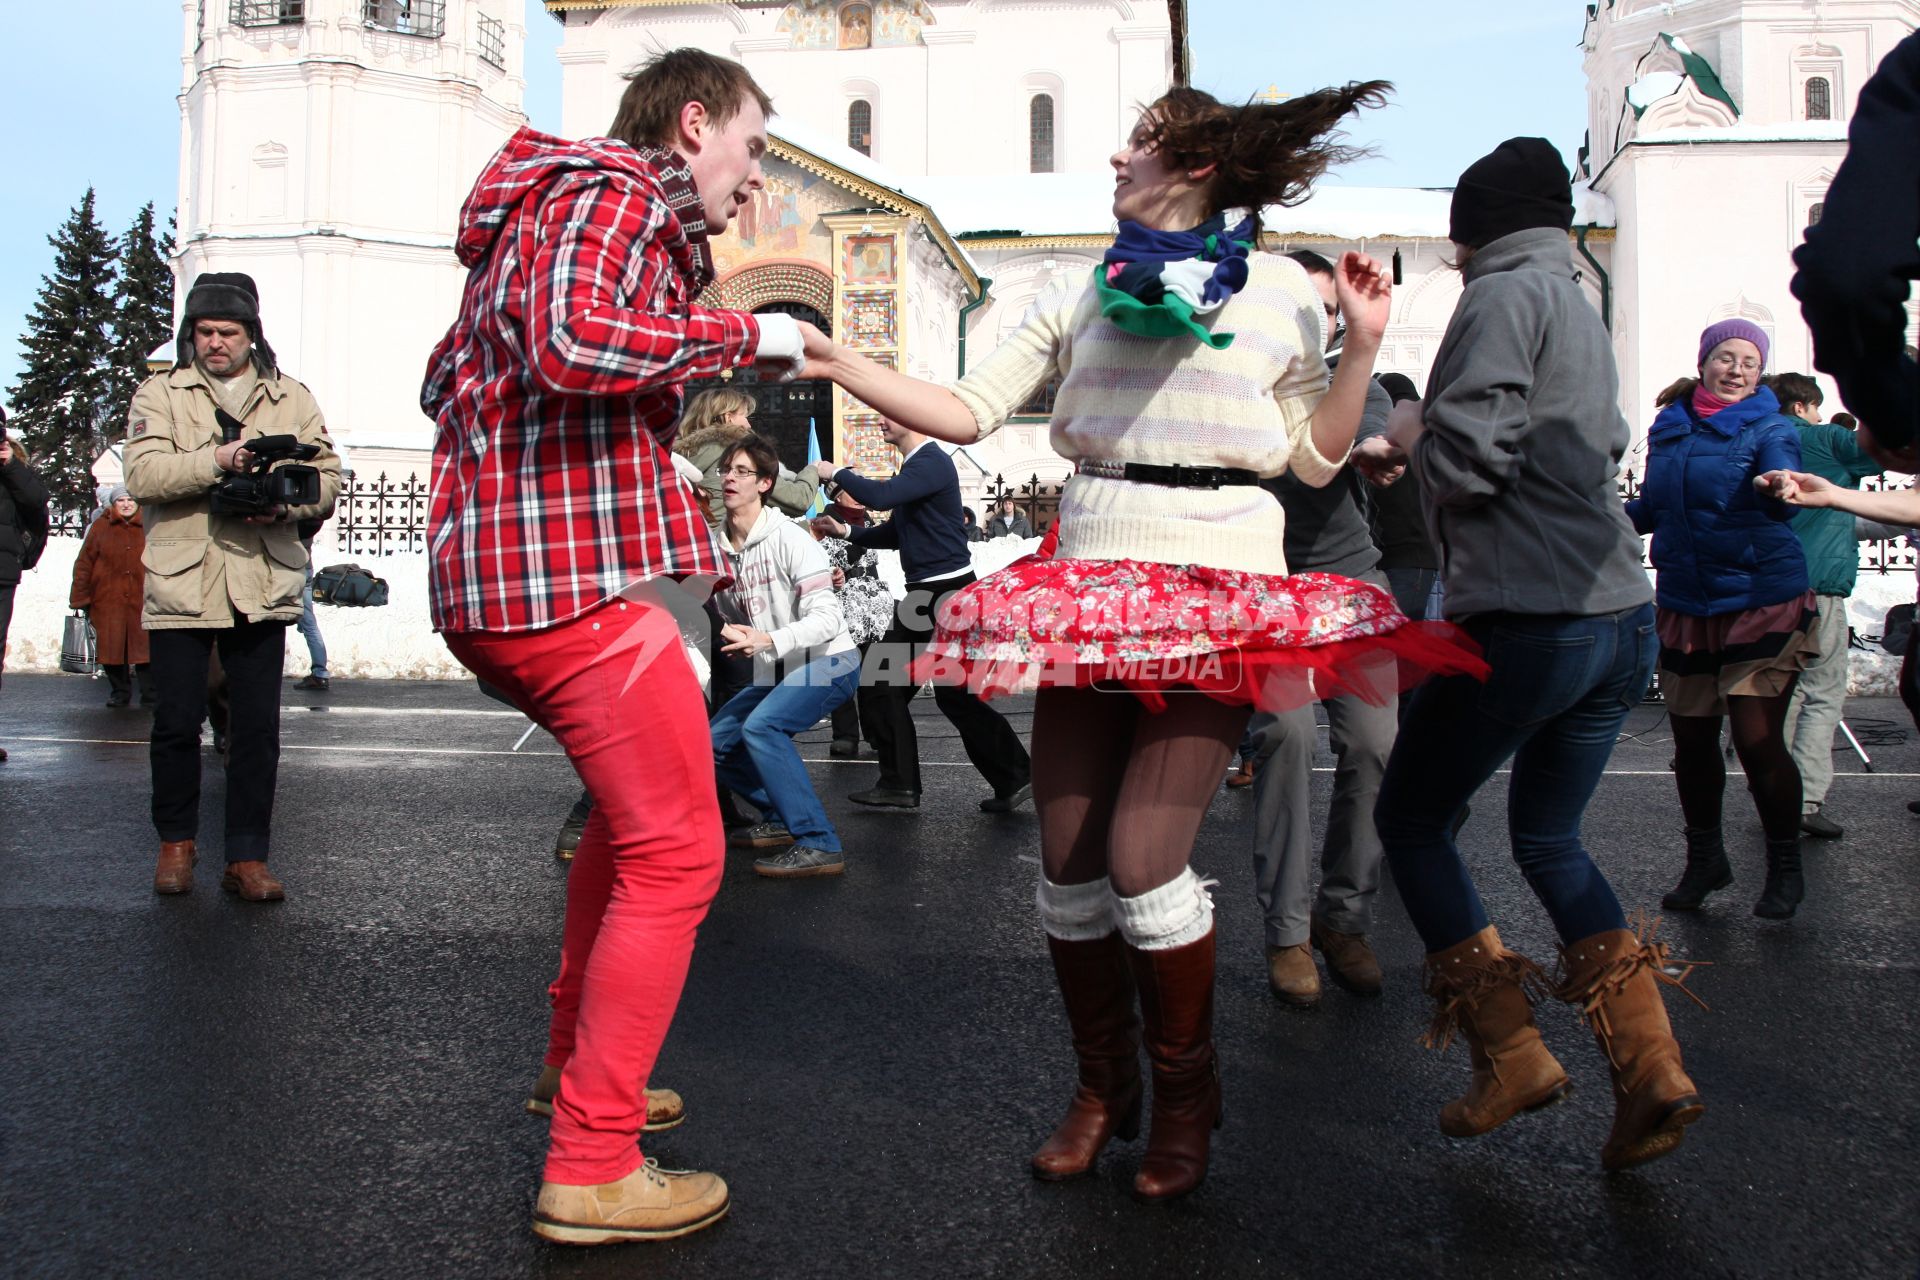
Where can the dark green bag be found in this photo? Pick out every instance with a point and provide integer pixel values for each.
(349, 586)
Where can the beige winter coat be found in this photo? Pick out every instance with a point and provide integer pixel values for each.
(203, 569)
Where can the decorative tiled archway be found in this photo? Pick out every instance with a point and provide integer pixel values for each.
(760, 283)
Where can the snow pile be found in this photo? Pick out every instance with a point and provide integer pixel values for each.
(397, 643)
(1649, 89)
(1792, 131)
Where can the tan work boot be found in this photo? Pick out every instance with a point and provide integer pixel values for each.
(1293, 975)
(1481, 992)
(1614, 979)
(664, 1107)
(1350, 960)
(650, 1203)
(252, 881)
(174, 873)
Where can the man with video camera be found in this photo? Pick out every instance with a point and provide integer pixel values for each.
(228, 455)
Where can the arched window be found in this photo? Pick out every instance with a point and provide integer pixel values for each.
(1819, 98)
(1040, 133)
(860, 126)
(1813, 214)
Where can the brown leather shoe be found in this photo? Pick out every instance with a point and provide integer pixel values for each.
(1482, 993)
(1243, 776)
(1097, 985)
(664, 1107)
(1350, 960)
(1293, 975)
(1176, 1007)
(252, 881)
(1614, 979)
(174, 874)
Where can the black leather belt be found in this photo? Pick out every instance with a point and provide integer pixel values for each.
(1176, 476)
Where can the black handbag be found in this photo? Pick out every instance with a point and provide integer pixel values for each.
(79, 646)
(349, 586)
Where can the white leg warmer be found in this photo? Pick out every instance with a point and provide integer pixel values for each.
(1178, 912)
(1075, 912)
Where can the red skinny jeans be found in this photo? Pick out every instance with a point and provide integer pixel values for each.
(615, 689)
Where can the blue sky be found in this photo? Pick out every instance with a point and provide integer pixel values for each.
(96, 106)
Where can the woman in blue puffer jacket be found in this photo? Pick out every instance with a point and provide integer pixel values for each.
(1735, 609)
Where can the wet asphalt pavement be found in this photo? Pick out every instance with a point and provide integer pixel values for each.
(331, 1086)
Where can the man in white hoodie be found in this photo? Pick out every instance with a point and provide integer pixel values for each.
(786, 617)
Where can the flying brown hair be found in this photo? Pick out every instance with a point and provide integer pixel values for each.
(1268, 153)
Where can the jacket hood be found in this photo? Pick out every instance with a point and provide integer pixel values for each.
(531, 160)
(767, 526)
(720, 435)
(1539, 248)
(1678, 418)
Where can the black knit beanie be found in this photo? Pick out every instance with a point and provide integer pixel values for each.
(224, 295)
(1523, 184)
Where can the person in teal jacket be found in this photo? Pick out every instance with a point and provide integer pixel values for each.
(1833, 563)
(1735, 613)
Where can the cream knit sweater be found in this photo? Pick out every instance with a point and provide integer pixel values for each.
(1172, 400)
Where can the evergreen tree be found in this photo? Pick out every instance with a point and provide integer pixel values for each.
(143, 313)
(63, 403)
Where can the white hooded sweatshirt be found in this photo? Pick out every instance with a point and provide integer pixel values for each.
(783, 585)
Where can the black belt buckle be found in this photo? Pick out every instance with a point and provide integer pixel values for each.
(1196, 477)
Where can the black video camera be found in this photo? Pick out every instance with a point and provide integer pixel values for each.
(276, 474)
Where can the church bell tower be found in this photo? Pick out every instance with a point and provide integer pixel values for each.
(325, 149)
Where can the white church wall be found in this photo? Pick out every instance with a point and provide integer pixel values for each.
(329, 161)
(1681, 271)
(956, 102)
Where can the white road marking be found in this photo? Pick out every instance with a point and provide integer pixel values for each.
(361, 749)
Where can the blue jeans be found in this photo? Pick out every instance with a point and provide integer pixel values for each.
(310, 627)
(1560, 689)
(753, 743)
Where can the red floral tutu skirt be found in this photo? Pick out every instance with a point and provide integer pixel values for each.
(1274, 642)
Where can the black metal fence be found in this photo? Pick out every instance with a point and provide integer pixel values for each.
(381, 517)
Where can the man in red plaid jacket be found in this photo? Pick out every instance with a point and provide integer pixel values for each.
(560, 529)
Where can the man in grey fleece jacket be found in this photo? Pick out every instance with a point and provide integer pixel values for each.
(1523, 376)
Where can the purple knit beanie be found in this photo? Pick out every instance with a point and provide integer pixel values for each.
(1746, 330)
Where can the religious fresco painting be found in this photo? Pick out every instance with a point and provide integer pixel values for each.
(781, 220)
(898, 23)
(861, 24)
(867, 260)
(856, 27)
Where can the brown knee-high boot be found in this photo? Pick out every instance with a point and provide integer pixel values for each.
(1097, 987)
(1176, 1003)
(1614, 978)
(1485, 993)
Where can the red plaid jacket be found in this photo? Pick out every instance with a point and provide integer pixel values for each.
(557, 391)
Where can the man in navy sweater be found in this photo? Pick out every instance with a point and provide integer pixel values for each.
(924, 526)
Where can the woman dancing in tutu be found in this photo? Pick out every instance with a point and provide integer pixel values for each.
(1191, 367)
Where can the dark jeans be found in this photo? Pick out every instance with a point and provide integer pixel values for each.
(6, 619)
(1560, 689)
(1909, 673)
(886, 703)
(251, 654)
(1410, 588)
